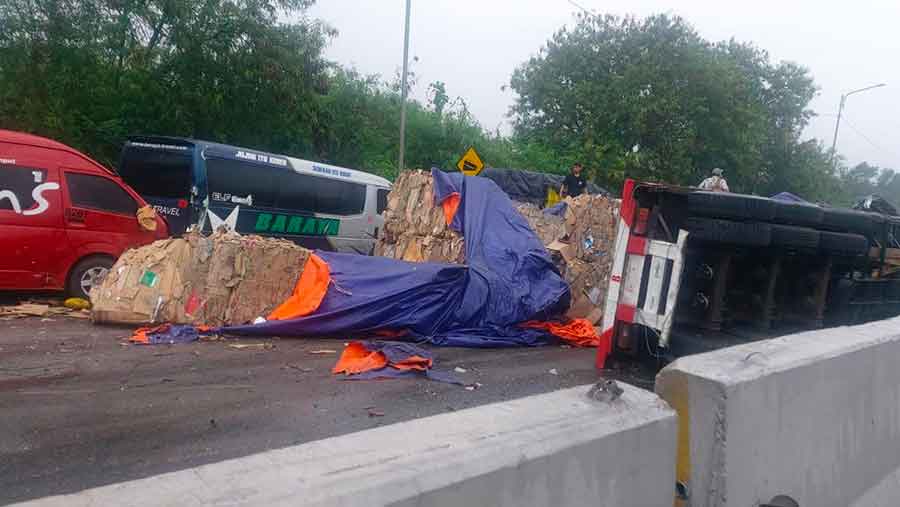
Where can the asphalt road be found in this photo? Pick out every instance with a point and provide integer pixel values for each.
(78, 408)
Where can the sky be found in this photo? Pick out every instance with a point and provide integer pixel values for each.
(474, 45)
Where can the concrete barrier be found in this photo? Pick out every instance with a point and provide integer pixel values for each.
(558, 449)
(814, 416)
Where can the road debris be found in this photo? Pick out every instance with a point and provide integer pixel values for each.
(322, 352)
(553, 371)
(77, 304)
(472, 387)
(606, 391)
(459, 370)
(374, 412)
(254, 346)
(28, 309)
(373, 359)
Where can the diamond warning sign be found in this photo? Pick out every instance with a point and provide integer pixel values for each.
(470, 164)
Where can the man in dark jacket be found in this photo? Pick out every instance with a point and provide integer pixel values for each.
(574, 184)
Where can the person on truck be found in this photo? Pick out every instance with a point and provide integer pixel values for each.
(715, 183)
(574, 184)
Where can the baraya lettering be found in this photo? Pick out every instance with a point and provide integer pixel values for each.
(306, 226)
(11, 161)
(37, 195)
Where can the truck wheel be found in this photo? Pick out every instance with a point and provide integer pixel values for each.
(719, 204)
(794, 237)
(843, 244)
(852, 221)
(726, 231)
(795, 213)
(86, 274)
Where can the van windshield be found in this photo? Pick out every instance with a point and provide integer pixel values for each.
(155, 172)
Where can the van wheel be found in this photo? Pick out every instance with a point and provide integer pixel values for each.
(87, 274)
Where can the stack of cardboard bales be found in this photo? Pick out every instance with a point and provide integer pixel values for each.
(547, 227)
(582, 240)
(414, 228)
(223, 279)
(586, 247)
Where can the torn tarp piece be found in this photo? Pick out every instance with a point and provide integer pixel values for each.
(374, 359)
(580, 333)
(166, 334)
(577, 332)
(508, 279)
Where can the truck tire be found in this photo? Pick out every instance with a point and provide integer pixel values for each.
(838, 243)
(795, 213)
(725, 231)
(719, 204)
(794, 237)
(86, 274)
(852, 221)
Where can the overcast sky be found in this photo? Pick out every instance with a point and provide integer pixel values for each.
(473, 46)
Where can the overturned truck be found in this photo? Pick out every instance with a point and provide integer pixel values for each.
(692, 269)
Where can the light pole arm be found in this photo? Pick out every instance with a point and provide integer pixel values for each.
(837, 124)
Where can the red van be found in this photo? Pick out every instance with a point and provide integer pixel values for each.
(64, 218)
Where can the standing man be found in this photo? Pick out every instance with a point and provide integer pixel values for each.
(715, 183)
(574, 184)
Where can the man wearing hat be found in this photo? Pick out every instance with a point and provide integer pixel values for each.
(715, 183)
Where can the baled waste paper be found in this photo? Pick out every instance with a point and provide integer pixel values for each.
(415, 229)
(508, 283)
(581, 232)
(223, 279)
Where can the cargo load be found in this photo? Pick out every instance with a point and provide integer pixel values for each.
(580, 232)
(224, 279)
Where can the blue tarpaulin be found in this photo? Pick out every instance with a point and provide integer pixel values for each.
(508, 279)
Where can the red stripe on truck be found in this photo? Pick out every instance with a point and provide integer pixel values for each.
(636, 245)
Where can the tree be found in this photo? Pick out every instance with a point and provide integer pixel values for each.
(89, 72)
(651, 99)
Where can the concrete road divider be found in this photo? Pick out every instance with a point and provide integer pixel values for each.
(814, 417)
(557, 449)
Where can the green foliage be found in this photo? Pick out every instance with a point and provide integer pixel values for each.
(864, 179)
(89, 72)
(651, 99)
(627, 97)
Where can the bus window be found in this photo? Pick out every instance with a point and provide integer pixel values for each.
(157, 172)
(235, 181)
(382, 200)
(304, 192)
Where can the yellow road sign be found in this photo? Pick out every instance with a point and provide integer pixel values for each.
(470, 164)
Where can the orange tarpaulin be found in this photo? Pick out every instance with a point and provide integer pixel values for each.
(578, 332)
(356, 358)
(308, 292)
(450, 205)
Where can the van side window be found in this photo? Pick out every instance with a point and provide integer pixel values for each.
(21, 182)
(229, 179)
(382, 200)
(97, 192)
(303, 192)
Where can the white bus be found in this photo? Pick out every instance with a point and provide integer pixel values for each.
(198, 183)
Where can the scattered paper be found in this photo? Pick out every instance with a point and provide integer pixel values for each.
(258, 346)
(460, 370)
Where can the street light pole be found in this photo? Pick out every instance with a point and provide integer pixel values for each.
(403, 92)
(837, 124)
